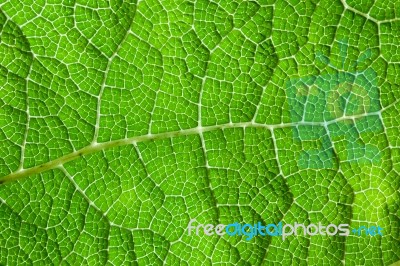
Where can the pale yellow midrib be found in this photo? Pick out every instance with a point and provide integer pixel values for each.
(94, 147)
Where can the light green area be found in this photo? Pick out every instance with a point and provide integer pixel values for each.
(122, 121)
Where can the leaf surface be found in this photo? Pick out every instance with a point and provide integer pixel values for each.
(120, 121)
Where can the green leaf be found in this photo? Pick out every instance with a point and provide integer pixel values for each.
(120, 121)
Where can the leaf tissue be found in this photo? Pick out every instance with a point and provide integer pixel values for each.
(123, 121)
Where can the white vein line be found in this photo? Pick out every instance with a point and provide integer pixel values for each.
(103, 84)
(28, 118)
(94, 147)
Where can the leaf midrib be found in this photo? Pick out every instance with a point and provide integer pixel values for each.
(95, 147)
